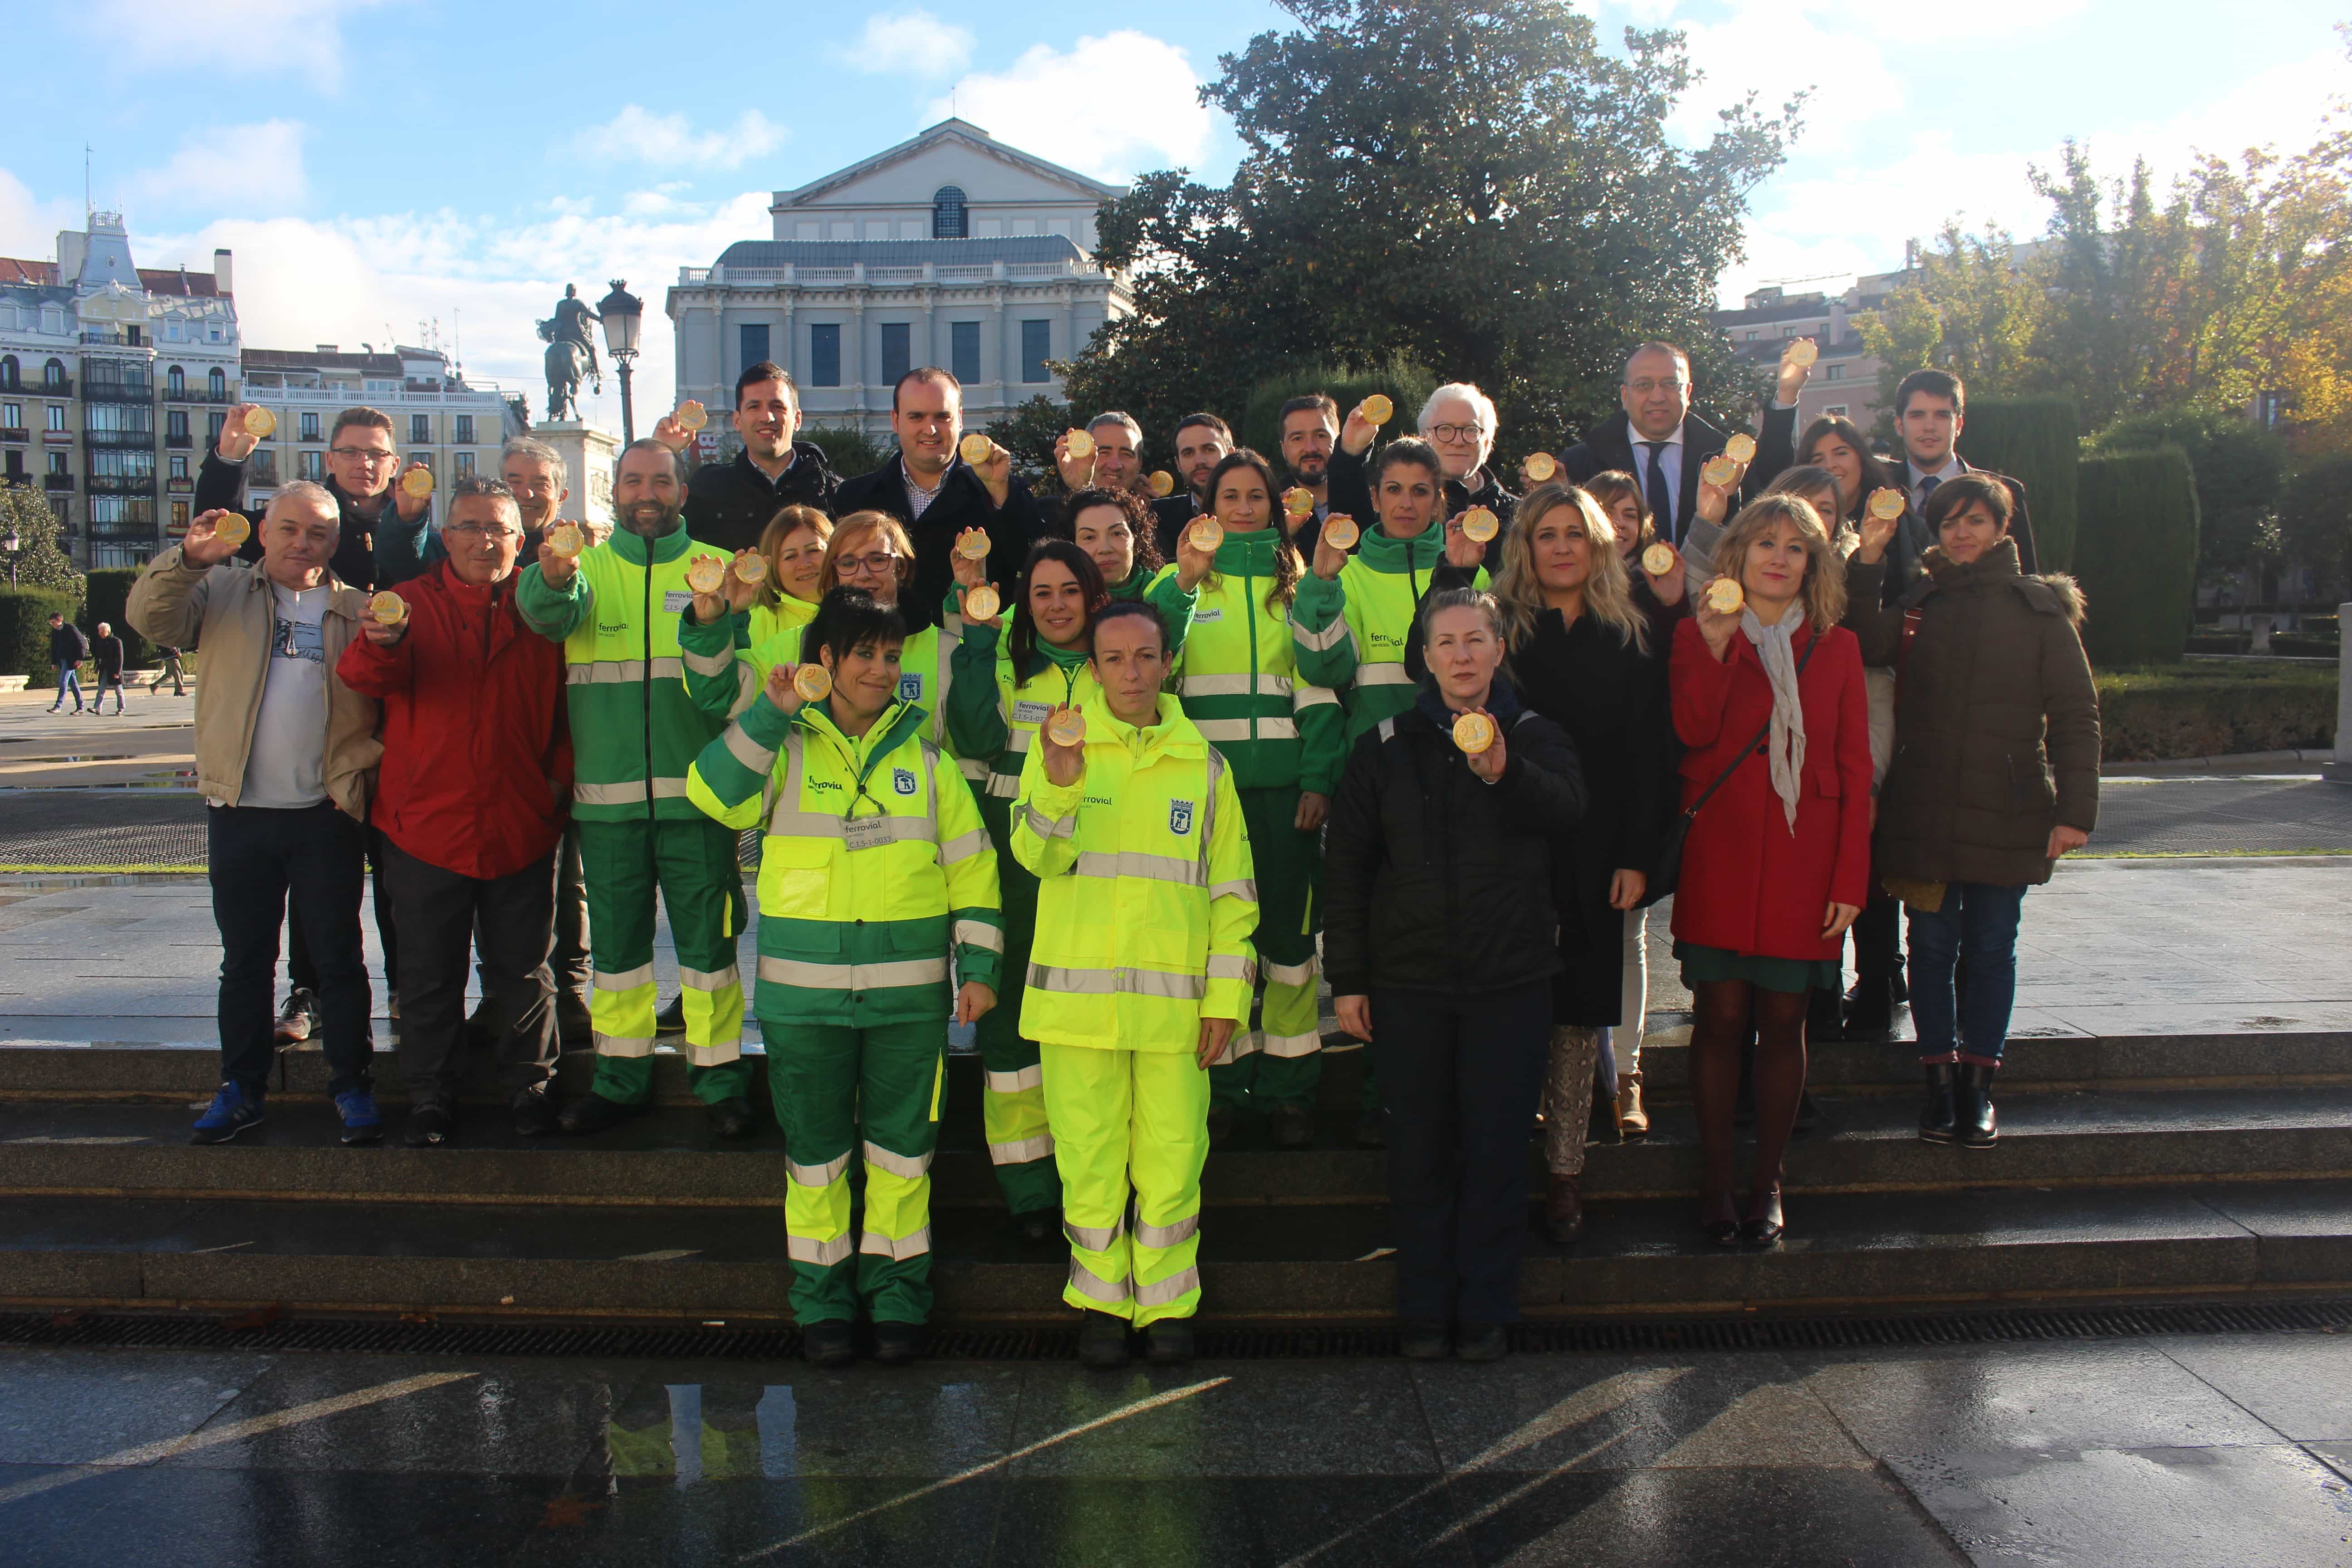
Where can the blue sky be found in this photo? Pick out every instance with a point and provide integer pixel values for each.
(376, 165)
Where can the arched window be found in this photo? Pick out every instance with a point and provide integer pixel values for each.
(8, 372)
(215, 383)
(177, 382)
(947, 212)
(54, 374)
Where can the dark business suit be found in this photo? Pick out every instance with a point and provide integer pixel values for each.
(1612, 445)
(2021, 528)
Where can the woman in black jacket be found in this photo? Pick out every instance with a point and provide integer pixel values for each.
(1438, 937)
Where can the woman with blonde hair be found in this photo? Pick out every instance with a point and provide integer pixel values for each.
(1768, 697)
(793, 545)
(1662, 599)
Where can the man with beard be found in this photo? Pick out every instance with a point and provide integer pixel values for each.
(727, 504)
(1202, 442)
(1306, 428)
(634, 733)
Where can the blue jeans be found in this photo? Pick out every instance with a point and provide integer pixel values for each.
(1978, 922)
(69, 679)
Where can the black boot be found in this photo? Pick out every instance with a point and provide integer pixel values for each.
(1824, 1018)
(1870, 1008)
(1978, 1128)
(1936, 1117)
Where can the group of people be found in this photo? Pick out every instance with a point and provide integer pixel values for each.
(1120, 778)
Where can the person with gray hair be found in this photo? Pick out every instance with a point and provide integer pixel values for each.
(540, 482)
(1459, 421)
(287, 757)
(1115, 463)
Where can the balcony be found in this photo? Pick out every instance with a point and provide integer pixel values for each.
(121, 484)
(15, 434)
(132, 439)
(197, 395)
(57, 481)
(178, 443)
(51, 386)
(133, 392)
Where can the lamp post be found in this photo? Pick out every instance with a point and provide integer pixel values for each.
(623, 314)
(13, 545)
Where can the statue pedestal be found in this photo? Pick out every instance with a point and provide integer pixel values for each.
(588, 457)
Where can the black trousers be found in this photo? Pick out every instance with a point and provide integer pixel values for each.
(303, 976)
(1878, 936)
(441, 913)
(1462, 1077)
(263, 864)
(567, 962)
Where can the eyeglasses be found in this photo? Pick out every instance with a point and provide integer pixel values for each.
(365, 454)
(478, 530)
(1457, 432)
(880, 564)
(1644, 388)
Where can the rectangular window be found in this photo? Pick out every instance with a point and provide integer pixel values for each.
(1036, 347)
(175, 423)
(12, 415)
(898, 351)
(824, 354)
(180, 514)
(57, 420)
(314, 466)
(212, 423)
(465, 464)
(1834, 372)
(179, 465)
(261, 469)
(58, 463)
(963, 351)
(1836, 408)
(464, 429)
(311, 426)
(754, 339)
(420, 429)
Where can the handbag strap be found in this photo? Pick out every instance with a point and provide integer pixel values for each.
(1691, 813)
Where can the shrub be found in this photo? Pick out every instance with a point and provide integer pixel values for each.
(1406, 383)
(109, 587)
(2315, 519)
(1029, 433)
(2137, 556)
(2214, 711)
(2036, 441)
(25, 630)
(849, 452)
(2241, 471)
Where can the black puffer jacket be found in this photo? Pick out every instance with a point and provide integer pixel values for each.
(728, 505)
(1435, 881)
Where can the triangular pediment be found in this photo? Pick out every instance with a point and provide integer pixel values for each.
(952, 153)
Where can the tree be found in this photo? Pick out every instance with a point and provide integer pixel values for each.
(1971, 310)
(2316, 520)
(41, 561)
(1473, 184)
(2239, 470)
(1029, 433)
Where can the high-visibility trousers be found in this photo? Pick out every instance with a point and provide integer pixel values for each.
(1129, 1124)
(872, 1092)
(1012, 1094)
(1281, 1061)
(693, 866)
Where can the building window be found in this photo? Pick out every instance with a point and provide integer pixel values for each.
(311, 426)
(420, 429)
(465, 464)
(898, 351)
(58, 463)
(947, 212)
(180, 516)
(314, 466)
(176, 382)
(465, 429)
(215, 382)
(751, 337)
(825, 355)
(1836, 408)
(1751, 337)
(261, 467)
(1036, 347)
(179, 465)
(11, 377)
(176, 427)
(56, 416)
(963, 351)
(1834, 372)
(53, 374)
(212, 423)
(12, 416)
(1788, 332)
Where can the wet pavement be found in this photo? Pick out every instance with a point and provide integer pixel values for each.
(2184, 1449)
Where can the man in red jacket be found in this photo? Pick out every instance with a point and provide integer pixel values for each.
(471, 801)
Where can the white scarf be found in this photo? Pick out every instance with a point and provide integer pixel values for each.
(1784, 746)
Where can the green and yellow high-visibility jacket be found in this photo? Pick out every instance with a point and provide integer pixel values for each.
(1145, 896)
(635, 729)
(1351, 632)
(1238, 677)
(872, 862)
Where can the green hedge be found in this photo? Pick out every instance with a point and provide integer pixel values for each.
(2036, 441)
(1407, 384)
(2214, 711)
(24, 631)
(2137, 556)
(109, 587)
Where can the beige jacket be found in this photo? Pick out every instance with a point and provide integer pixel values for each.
(229, 614)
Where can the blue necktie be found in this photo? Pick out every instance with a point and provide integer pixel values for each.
(1927, 484)
(1662, 503)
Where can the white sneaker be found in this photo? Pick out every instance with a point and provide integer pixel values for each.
(298, 1020)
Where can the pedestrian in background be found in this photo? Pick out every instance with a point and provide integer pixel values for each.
(106, 660)
(68, 648)
(171, 672)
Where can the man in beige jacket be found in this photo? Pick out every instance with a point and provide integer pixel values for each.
(286, 756)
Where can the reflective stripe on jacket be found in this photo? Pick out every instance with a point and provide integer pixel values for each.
(1353, 633)
(1238, 677)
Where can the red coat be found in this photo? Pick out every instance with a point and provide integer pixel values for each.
(1747, 883)
(477, 769)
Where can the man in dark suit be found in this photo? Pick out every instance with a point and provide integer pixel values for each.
(728, 505)
(938, 495)
(1655, 438)
(1930, 411)
(1202, 442)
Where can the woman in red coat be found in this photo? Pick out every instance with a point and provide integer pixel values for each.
(1767, 697)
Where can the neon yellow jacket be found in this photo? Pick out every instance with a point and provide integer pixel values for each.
(1146, 900)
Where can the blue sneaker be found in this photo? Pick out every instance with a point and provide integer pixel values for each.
(230, 1113)
(361, 1122)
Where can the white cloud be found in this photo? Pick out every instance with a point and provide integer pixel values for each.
(28, 226)
(1108, 106)
(239, 37)
(908, 43)
(236, 166)
(669, 141)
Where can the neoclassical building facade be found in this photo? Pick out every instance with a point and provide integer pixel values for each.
(951, 248)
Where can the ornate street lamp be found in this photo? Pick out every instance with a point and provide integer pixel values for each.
(623, 314)
(12, 546)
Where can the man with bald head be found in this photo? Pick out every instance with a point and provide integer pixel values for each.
(286, 756)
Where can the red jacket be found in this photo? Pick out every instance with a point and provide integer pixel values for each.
(1747, 883)
(477, 769)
